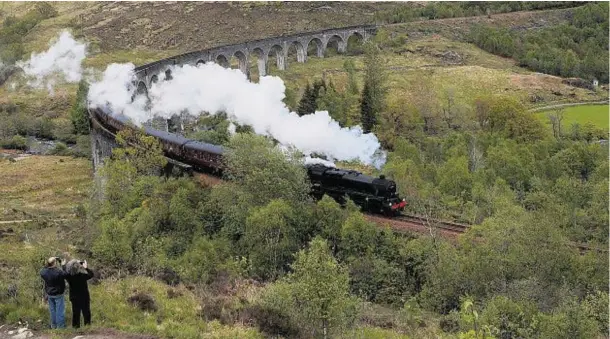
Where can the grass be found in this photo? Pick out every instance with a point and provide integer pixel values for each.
(177, 317)
(43, 185)
(419, 66)
(594, 114)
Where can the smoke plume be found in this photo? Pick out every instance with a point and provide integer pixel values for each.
(63, 59)
(210, 88)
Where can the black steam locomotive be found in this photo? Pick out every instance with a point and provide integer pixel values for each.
(377, 195)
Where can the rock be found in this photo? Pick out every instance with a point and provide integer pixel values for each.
(23, 333)
(451, 57)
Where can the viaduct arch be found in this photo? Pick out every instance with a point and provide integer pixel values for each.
(275, 47)
(102, 140)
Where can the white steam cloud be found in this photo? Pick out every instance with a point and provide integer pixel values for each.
(210, 88)
(63, 59)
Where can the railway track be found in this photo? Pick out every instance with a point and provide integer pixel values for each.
(447, 229)
(444, 225)
(401, 223)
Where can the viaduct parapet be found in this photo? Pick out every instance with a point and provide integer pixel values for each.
(262, 50)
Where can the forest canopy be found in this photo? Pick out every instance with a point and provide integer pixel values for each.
(578, 48)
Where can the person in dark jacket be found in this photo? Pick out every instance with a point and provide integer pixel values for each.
(54, 287)
(77, 275)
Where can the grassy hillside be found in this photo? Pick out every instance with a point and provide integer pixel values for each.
(431, 50)
(49, 186)
(440, 65)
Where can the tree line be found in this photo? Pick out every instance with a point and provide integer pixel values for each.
(578, 48)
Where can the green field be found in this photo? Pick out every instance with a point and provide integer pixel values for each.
(595, 114)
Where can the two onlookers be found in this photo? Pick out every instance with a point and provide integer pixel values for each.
(76, 273)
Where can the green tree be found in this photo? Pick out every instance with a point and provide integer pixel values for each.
(290, 99)
(507, 318)
(358, 236)
(369, 119)
(270, 238)
(332, 101)
(329, 217)
(78, 114)
(469, 317)
(455, 179)
(316, 293)
(132, 172)
(570, 320)
(141, 151)
(374, 91)
(265, 172)
(205, 259)
(307, 105)
(113, 247)
(352, 83)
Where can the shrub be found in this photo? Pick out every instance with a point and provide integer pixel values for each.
(271, 321)
(16, 142)
(60, 149)
(143, 301)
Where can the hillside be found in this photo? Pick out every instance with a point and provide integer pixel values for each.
(145, 32)
(185, 26)
(254, 257)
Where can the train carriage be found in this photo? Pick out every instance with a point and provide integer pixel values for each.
(377, 195)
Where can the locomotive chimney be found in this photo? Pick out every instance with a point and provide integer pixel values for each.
(382, 177)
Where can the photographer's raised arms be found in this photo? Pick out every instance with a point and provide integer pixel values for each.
(55, 274)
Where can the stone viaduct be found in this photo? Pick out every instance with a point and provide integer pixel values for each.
(102, 141)
(262, 50)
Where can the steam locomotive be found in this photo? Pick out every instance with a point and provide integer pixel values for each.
(376, 195)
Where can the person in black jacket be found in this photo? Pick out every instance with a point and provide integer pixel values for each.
(54, 287)
(77, 275)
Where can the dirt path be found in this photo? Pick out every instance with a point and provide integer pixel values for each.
(13, 332)
(545, 108)
(20, 221)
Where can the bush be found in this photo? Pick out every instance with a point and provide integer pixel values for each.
(60, 149)
(571, 320)
(510, 319)
(82, 147)
(63, 131)
(143, 301)
(46, 10)
(42, 128)
(16, 142)
(271, 321)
